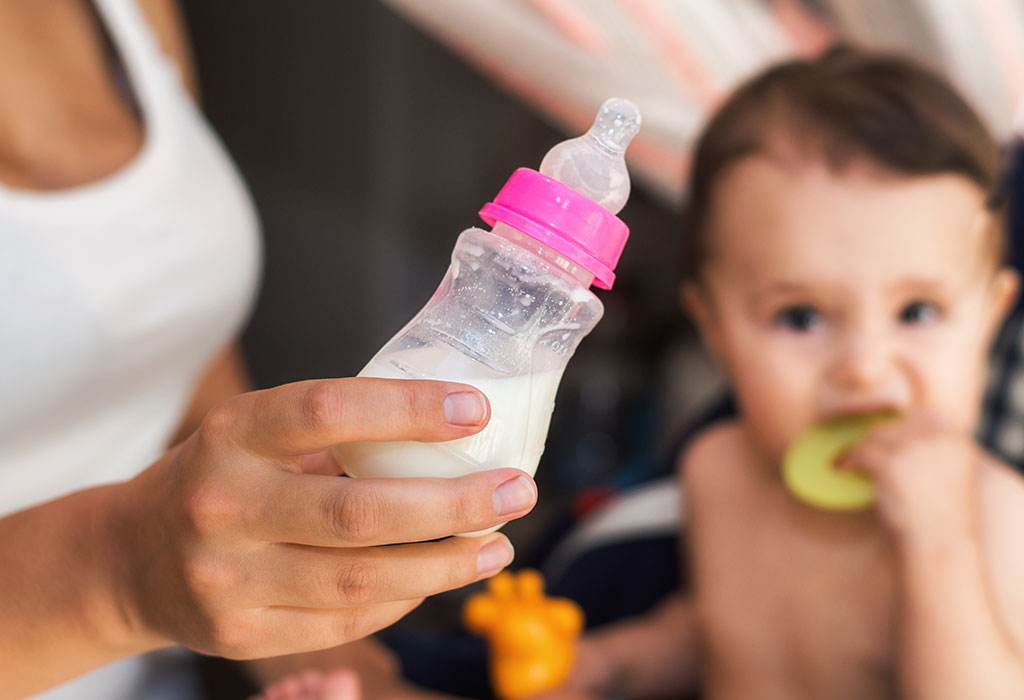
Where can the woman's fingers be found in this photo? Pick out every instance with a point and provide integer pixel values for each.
(295, 630)
(306, 417)
(317, 577)
(320, 463)
(332, 511)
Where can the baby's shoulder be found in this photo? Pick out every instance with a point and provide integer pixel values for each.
(718, 456)
(1001, 499)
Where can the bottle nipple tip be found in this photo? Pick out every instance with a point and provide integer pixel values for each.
(617, 122)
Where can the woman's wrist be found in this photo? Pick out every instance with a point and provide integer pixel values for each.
(62, 603)
(111, 555)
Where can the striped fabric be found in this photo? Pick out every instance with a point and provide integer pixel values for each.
(1002, 419)
(677, 58)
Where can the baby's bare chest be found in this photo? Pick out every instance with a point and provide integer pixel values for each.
(787, 613)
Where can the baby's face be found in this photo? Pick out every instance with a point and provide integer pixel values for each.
(834, 294)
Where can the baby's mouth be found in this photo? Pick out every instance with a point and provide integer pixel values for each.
(879, 408)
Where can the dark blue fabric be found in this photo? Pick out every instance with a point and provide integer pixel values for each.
(455, 663)
(999, 410)
(622, 579)
(1015, 191)
(722, 409)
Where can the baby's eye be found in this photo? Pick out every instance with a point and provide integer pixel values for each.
(800, 317)
(918, 312)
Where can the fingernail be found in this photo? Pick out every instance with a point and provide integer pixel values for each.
(465, 408)
(513, 496)
(494, 556)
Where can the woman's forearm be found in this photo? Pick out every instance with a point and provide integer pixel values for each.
(953, 642)
(61, 613)
(62, 606)
(226, 376)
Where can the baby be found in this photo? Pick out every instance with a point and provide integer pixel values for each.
(840, 260)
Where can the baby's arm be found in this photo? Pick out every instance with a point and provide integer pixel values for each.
(954, 643)
(376, 668)
(955, 638)
(651, 656)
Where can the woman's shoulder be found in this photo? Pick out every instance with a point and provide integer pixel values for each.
(165, 20)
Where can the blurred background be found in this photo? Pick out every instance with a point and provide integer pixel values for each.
(372, 132)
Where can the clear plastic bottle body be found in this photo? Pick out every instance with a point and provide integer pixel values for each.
(506, 318)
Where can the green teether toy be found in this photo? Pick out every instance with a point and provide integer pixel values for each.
(808, 466)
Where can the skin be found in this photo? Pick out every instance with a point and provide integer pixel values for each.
(240, 541)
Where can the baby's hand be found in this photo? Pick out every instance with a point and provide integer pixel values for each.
(924, 473)
(344, 684)
(314, 685)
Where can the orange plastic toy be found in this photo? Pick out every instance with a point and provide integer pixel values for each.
(532, 637)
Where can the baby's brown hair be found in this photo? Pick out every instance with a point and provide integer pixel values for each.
(849, 105)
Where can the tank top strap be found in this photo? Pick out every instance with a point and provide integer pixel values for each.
(155, 79)
(129, 29)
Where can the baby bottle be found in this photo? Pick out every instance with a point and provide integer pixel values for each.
(514, 305)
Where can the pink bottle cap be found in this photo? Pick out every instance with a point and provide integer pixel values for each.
(562, 219)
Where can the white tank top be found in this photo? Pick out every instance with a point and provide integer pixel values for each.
(114, 297)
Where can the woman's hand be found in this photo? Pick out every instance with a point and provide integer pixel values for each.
(237, 544)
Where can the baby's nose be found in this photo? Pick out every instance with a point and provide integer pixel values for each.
(862, 361)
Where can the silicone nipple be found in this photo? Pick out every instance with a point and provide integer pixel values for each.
(810, 475)
(593, 164)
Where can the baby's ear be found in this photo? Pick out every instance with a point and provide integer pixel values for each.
(697, 305)
(1005, 289)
